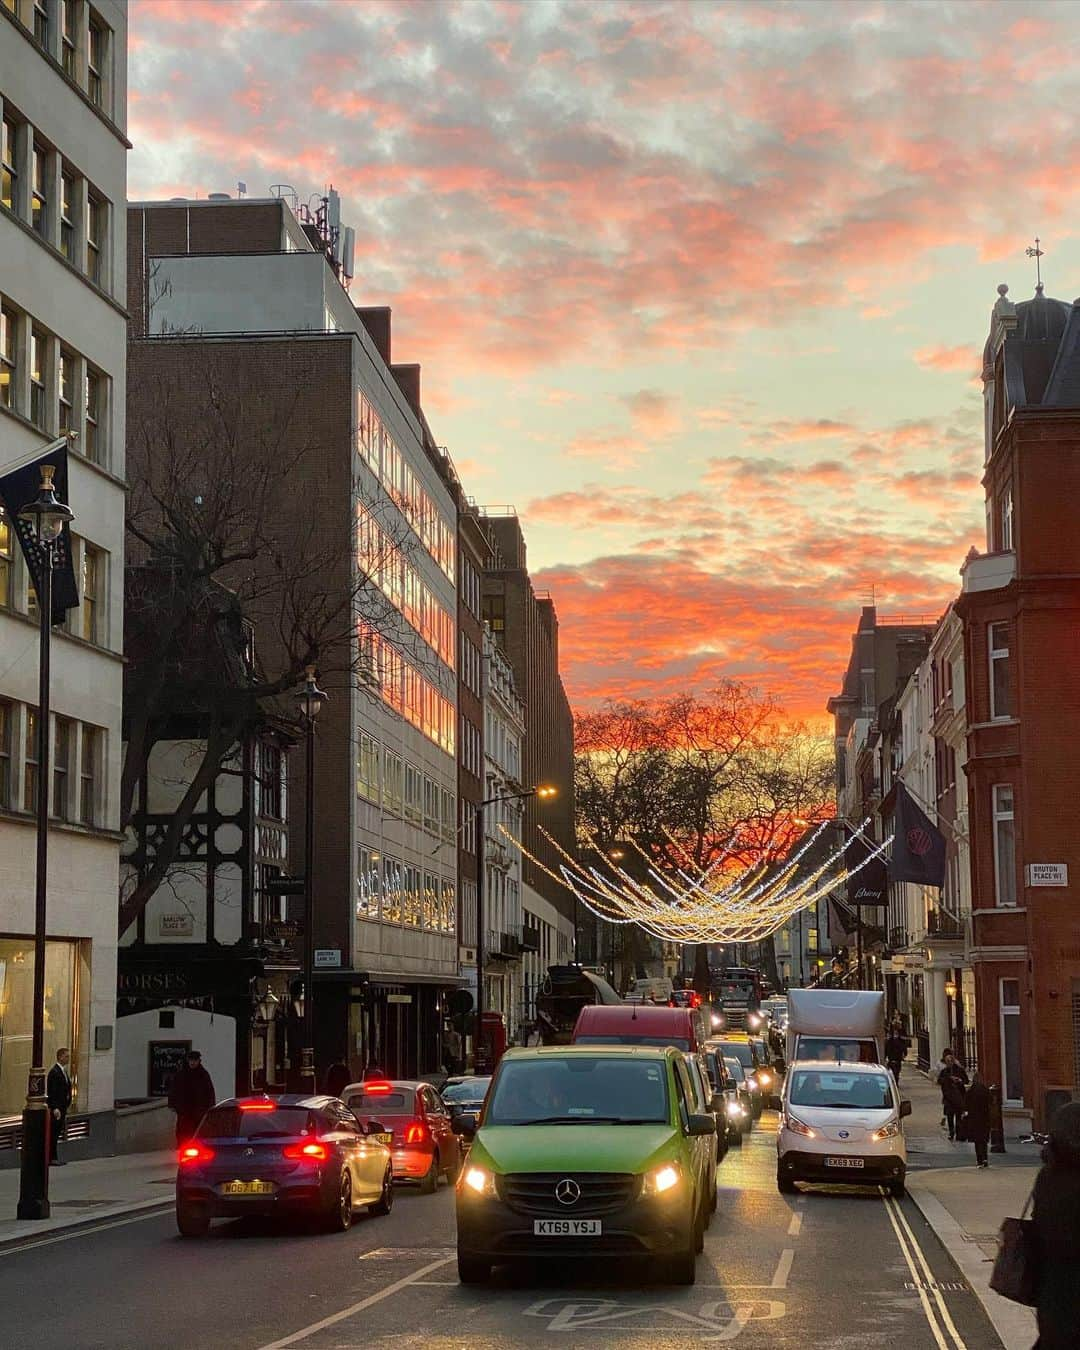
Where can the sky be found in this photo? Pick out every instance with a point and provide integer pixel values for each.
(700, 289)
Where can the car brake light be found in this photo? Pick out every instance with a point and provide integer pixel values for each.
(377, 1087)
(416, 1133)
(310, 1152)
(195, 1153)
(256, 1106)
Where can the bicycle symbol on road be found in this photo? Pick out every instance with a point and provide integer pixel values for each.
(722, 1319)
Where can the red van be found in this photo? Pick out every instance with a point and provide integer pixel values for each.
(641, 1024)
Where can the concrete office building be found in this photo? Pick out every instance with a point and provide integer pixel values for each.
(63, 73)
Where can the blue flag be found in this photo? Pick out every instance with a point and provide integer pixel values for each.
(18, 488)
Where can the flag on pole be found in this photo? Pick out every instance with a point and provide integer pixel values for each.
(18, 488)
(918, 851)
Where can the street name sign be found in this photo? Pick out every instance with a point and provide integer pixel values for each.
(1048, 874)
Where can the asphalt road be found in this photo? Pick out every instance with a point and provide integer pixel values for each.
(848, 1270)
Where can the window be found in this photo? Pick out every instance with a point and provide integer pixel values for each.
(41, 23)
(1000, 704)
(63, 745)
(39, 352)
(1004, 845)
(271, 780)
(92, 439)
(368, 889)
(66, 384)
(9, 173)
(89, 773)
(1007, 519)
(7, 562)
(414, 780)
(6, 723)
(811, 939)
(393, 771)
(39, 196)
(93, 568)
(67, 36)
(495, 612)
(367, 768)
(1011, 1064)
(67, 215)
(95, 236)
(95, 59)
(7, 356)
(30, 762)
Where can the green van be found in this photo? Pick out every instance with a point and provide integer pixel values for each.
(583, 1150)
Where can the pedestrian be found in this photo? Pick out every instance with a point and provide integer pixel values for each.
(451, 1051)
(191, 1095)
(338, 1077)
(373, 1071)
(896, 1048)
(1057, 1233)
(977, 1118)
(58, 1096)
(953, 1081)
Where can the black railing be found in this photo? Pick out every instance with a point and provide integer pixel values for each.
(922, 1040)
(530, 939)
(939, 923)
(898, 939)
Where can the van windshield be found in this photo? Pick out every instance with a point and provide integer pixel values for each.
(859, 1091)
(679, 1042)
(579, 1090)
(845, 1050)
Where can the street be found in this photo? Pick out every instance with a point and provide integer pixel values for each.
(837, 1269)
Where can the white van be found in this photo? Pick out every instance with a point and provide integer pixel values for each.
(841, 1123)
(657, 987)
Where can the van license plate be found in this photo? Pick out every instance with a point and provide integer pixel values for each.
(566, 1228)
(844, 1162)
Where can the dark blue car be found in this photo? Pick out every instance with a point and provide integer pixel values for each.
(273, 1155)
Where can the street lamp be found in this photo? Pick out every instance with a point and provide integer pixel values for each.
(309, 700)
(47, 515)
(544, 793)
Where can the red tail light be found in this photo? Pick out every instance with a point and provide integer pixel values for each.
(416, 1132)
(256, 1106)
(194, 1153)
(376, 1087)
(311, 1152)
(695, 1000)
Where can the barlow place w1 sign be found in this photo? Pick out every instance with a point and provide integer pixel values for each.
(1048, 874)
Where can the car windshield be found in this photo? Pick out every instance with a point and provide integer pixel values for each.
(679, 1042)
(231, 1122)
(579, 1090)
(741, 1051)
(843, 1051)
(381, 1103)
(735, 1069)
(470, 1091)
(858, 1091)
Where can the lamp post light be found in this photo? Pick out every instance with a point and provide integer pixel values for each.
(480, 1054)
(48, 516)
(309, 700)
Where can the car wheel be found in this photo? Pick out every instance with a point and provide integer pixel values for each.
(193, 1221)
(385, 1202)
(682, 1269)
(784, 1184)
(470, 1270)
(897, 1189)
(340, 1215)
(429, 1182)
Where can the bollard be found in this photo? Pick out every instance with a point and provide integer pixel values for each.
(997, 1123)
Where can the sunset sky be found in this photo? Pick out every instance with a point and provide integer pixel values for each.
(700, 289)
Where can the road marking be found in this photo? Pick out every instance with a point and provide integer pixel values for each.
(795, 1225)
(928, 1274)
(942, 1344)
(13, 1249)
(726, 1318)
(368, 1302)
(783, 1269)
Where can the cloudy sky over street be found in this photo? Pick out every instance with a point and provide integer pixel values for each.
(701, 289)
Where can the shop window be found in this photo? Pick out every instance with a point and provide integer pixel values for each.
(62, 985)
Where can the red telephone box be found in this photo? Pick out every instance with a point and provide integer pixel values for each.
(492, 1042)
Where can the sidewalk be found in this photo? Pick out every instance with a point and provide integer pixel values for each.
(965, 1205)
(87, 1192)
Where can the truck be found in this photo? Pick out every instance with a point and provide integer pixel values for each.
(563, 994)
(735, 994)
(841, 1024)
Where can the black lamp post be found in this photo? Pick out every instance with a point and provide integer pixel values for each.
(48, 516)
(480, 1053)
(310, 700)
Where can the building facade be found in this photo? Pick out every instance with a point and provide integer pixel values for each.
(63, 95)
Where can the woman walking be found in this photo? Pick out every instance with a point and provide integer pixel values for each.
(953, 1081)
(977, 1118)
(1057, 1233)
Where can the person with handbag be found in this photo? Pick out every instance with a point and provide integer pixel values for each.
(1056, 1220)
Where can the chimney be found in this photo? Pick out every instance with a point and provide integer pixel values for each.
(376, 319)
(408, 378)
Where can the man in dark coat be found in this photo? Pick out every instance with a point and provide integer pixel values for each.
(953, 1081)
(58, 1096)
(338, 1077)
(1057, 1233)
(191, 1095)
(896, 1048)
(977, 1118)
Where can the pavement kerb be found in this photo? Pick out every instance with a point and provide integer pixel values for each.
(1014, 1324)
(38, 1231)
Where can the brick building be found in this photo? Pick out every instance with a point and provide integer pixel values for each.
(1021, 610)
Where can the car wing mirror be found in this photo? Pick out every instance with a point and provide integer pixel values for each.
(701, 1124)
(905, 1109)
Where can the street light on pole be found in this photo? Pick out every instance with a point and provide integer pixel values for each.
(480, 1056)
(48, 516)
(310, 700)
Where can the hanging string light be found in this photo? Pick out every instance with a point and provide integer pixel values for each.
(716, 903)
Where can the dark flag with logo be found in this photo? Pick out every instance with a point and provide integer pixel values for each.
(870, 884)
(918, 851)
(18, 488)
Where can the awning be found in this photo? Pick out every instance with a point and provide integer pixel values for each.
(380, 977)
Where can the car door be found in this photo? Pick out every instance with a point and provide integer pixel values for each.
(369, 1158)
(438, 1119)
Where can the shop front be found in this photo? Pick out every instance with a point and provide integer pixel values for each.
(67, 993)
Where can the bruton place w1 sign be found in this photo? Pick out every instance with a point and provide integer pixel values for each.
(1048, 874)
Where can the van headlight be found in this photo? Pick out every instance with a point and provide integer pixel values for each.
(795, 1125)
(735, 1108)
(888, 1131)
(663, 1179)
(763, 1078)
(479, 1181)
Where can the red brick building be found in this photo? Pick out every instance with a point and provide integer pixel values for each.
(1021, 611)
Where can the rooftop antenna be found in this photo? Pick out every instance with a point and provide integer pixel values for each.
(1037, 253)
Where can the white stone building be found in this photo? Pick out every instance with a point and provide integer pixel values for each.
(63, 76)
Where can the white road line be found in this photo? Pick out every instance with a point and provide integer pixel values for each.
(929, 1274)
(783, 1269)
(15, 1248)
(942, 1343)
(368, 1302)
(795, 1226)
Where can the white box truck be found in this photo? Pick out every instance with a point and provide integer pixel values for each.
(840, 1024)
